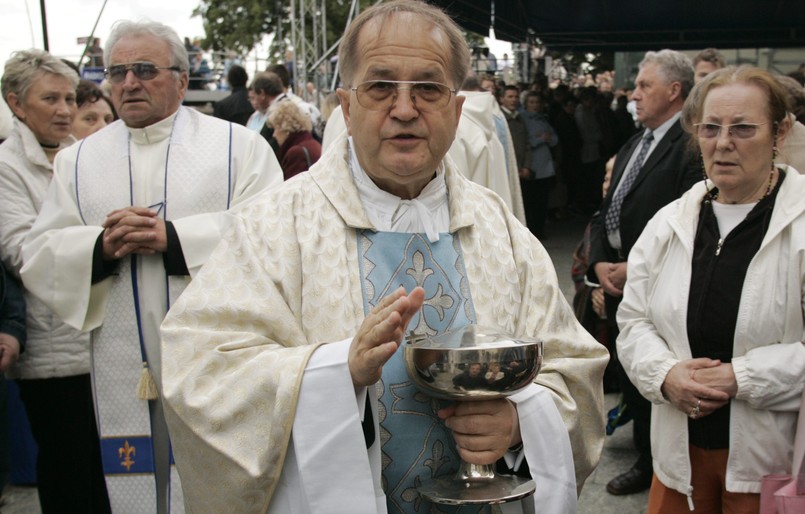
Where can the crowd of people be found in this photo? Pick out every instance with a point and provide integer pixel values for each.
(185, 297)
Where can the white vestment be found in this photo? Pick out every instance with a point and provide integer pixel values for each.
(481, 155)
(247, 336)
(155, 164)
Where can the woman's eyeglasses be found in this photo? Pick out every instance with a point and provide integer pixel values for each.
(737, 130)
(142, 70)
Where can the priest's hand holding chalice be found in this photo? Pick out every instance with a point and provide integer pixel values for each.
(471, 365)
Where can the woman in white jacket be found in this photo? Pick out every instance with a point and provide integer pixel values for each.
(712, 316)
(53, 373)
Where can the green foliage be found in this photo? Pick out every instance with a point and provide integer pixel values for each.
(240, 24)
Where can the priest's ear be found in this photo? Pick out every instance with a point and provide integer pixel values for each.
(344, 99)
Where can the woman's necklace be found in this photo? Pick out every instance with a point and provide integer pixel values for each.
(714, 192)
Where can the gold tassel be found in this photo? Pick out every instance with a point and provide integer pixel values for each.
(147, 388)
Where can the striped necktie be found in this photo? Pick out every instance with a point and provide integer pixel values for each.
(613, 216)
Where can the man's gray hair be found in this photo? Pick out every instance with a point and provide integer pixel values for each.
(124, 28)
(26, 66)
(674, 67)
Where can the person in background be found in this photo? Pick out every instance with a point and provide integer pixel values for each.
(306, 107)
(792, 150)
(12, 344)
(264, 90)
(95, 54)
(588, 300)
(536, 185)
(53, 374)
(509, 102)
(236, 107)
(131, 212)
(300, 314)
(651, 170)
(95, 110)
(482, 148)
(711, 319)
(298, 151)
(706, 62)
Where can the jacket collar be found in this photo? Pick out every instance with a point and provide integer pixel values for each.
(31, 147)
(790, 204)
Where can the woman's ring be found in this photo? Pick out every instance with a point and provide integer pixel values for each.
(695, 411)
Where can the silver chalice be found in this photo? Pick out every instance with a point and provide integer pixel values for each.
(468, 364)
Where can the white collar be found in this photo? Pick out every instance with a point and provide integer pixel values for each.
(427, 213)
(155, 133)
(660, 131)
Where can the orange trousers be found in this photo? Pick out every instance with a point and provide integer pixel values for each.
(710, 495)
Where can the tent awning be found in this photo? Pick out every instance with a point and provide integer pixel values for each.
(635, 25)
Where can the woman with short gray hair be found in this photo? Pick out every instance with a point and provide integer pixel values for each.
(53, 372)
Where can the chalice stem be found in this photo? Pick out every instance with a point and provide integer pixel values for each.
(469, 471)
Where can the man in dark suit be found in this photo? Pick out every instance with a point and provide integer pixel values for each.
(651, 170)
(236, 107)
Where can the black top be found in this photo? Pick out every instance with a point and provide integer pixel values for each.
(716, 283)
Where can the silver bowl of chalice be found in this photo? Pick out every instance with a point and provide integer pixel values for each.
(469, 364)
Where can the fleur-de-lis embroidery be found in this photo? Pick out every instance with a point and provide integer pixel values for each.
(438, 458)
(418, 272)
(125, 452)
(410, 495)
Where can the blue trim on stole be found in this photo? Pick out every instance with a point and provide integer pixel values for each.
(416, 445)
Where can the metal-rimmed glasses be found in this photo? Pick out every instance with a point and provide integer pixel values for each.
(737, 130)
(142, 70)
(380, 95)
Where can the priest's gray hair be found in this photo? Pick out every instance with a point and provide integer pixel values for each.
(26, 66)
(349, 52)
(124, 28)
(673, 66)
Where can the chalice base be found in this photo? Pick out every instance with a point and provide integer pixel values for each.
(477, 491)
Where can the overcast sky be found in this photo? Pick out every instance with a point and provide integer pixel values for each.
(67, 20)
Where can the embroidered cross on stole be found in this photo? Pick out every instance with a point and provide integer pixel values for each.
(416, 446)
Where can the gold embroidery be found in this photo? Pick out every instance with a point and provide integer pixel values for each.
(125, 452)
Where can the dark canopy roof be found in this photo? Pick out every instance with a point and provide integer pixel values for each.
(595, 25)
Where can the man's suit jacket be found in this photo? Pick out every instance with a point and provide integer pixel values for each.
(235, 108)
(668, 172)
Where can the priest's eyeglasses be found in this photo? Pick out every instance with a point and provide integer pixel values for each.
(142, 70)
(380, 95)
(736, 130)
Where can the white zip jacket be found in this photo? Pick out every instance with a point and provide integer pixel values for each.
(768, 352)
(54, 349)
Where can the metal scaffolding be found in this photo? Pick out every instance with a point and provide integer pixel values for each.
(311, 51)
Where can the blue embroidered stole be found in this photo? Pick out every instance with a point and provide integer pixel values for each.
(416, 446)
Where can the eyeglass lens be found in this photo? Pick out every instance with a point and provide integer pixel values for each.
(739, 130)
(380, 94)
(142, 70)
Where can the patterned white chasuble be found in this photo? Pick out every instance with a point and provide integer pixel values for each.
(416, 446)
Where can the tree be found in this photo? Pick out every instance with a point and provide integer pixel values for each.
(240, 24)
